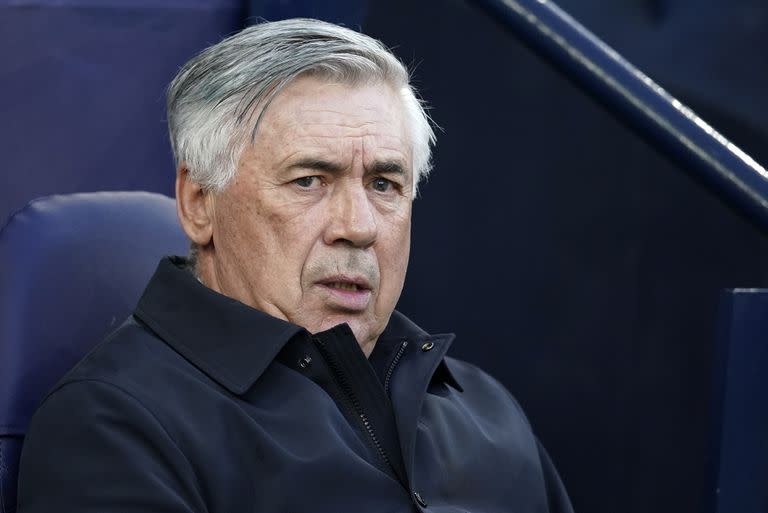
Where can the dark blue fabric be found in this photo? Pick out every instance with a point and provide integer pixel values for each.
(71, 268)
(167, 415)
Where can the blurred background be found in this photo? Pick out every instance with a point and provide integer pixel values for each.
(574, 262)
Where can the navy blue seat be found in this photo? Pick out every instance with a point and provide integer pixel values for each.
(71, 269)
(740, 478)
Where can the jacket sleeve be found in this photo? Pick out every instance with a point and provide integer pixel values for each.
(557, 497)
(92, 447)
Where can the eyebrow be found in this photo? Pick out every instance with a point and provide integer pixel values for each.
(388, 167)
(378, 167)
(317, 164)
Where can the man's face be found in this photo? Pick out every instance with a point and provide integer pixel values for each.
(315, 227)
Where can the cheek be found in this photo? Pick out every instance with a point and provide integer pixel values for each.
(250, 238)
(293, 241)
(293, 232)
(394, 260)
(230, 233)
(249, 230)
(275, 225)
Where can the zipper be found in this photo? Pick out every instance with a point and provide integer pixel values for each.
(391, 369)
(343, 383)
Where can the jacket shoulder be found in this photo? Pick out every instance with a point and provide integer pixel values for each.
(126, 358)
(478, 383)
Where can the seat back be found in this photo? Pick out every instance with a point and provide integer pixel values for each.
(71, 270)
(740, 460)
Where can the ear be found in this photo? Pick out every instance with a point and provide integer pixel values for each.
(194, 207)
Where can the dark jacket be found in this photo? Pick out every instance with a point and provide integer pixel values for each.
(200, 403)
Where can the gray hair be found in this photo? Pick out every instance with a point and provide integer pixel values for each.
(214, 98)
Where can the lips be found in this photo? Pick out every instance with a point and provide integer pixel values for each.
(350, 283)
(343, 285)
(349, 293)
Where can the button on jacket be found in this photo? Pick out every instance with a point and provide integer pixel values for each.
(199, 403)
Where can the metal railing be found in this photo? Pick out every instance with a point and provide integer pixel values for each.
(638, 101)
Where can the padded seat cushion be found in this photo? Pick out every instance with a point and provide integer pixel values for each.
(71, 269)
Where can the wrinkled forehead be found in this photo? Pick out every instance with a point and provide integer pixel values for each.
(323, 114)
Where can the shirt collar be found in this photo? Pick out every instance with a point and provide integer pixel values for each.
(229, 341)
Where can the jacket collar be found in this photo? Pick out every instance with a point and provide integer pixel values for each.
(229, 341)
(401, 327)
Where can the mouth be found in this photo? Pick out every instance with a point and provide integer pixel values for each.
(345, 285)
(347, 293)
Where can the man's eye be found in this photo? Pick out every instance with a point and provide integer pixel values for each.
(308, 182)
(382, 185)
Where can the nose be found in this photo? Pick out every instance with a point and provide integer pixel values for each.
(352, 217)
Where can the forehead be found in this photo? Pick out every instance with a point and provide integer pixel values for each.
(313, 114)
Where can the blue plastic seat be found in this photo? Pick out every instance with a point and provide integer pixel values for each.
(71, 269)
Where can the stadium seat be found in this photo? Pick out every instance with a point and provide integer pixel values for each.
(71, 269)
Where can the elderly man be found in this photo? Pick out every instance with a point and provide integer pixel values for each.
(270, 372)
